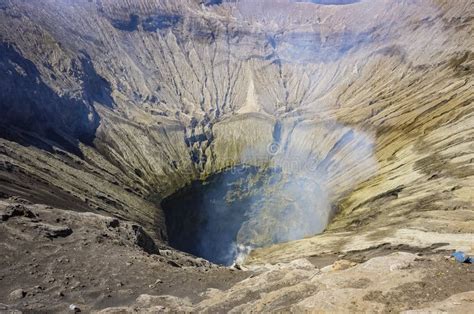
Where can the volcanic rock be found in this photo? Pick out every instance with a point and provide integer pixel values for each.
(277, 135)
(17, 295)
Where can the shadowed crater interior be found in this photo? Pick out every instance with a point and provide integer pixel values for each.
(245, 207)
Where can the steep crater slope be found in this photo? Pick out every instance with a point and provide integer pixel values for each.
(114, 106)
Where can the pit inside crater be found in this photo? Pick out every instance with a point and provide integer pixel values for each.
(224, 216)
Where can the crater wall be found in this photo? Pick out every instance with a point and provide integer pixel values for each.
(121, 103)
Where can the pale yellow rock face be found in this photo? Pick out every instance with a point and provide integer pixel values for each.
(374, 102)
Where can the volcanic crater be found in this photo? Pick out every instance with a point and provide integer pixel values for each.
(208, 156)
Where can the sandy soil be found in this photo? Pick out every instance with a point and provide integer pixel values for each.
(53, 258)
(96, 264)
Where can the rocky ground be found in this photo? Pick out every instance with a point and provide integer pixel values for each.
(53, 258)
(393, 282)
